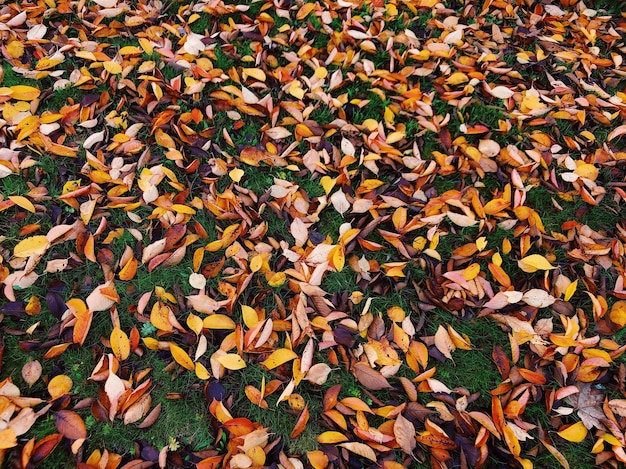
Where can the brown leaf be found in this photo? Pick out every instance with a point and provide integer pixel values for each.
(70, 424)
(404, 432)
(443, 342)
(370, 378)
(502, 361)
(361, 449)
(138, 409)
(31, 372)
(151, 417)
(44, 447)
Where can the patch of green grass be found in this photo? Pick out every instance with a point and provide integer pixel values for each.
(339, 282)
(280, 418)
(330, 221)
(478, 112)
(471, 369)
(13, 185)
(579, 455)
(11, 78)
(540, 200)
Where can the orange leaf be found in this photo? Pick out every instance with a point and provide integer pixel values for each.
(317, 459)
(129, 270)
(532, 376)
(511, 441)
(300, 424)
(83, 320)
(331, 437)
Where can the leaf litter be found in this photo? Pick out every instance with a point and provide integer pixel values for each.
(376, 134)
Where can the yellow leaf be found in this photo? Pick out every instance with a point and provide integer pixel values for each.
(181, 357)
(159, 317)
(338, 258)
(195, 323)
(202, 372)
(327, 183)
(256, 73)
(256, 263)
(120, 344)
(151, 343)
(278, 357)
(570, 290)
(231, 361)
(218, 321)
(574, 433)
(470, 272)
(59, 386)
(24, 93)
(236, 174)
(33, 307)
(214, 246)
(587, 171)
(130, 50)
(276, 279)
(15, 49)
(533, 263)
(34, 245)
(112, 67)
(506, 246)
(146, 45)
(250, 316)
(180, 208)
(70, 186)
(8, 438)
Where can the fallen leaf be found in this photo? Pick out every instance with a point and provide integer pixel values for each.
(70, 424)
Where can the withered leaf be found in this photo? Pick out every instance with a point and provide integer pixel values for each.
(404, 432)
(370, 378)
(70, 424)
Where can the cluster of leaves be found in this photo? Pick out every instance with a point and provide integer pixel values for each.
(336, 195)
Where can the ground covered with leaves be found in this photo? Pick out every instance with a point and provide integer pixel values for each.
(312, 234)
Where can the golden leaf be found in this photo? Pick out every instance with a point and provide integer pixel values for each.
(574, 433)
(36, 245)
(120, 344)
(231, 361)
(533, 263)
(181, 357)
(278, 357)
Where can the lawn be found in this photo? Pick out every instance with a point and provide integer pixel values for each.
(298, 234)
